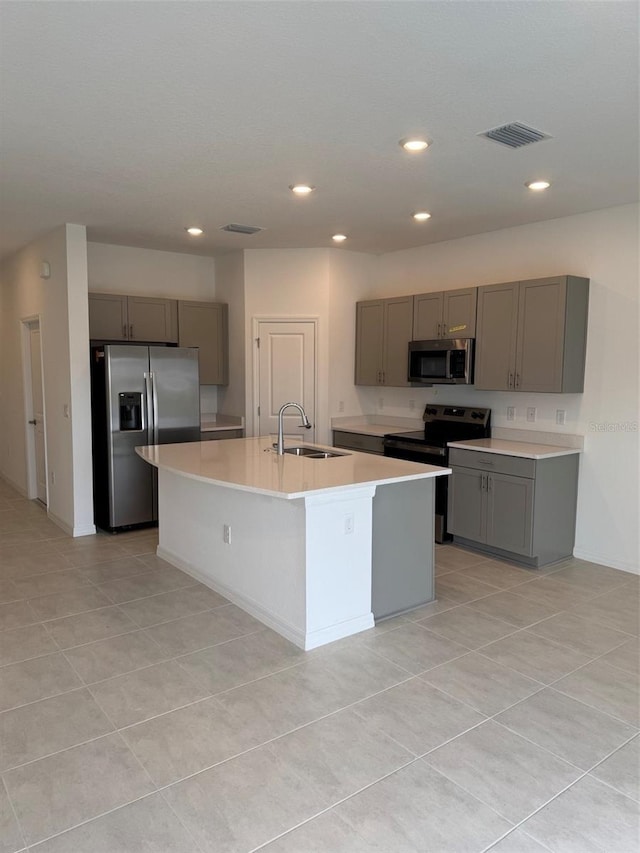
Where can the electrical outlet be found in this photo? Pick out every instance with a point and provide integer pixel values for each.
(412, 405)
(511, 413)
(348, 523)
(531, 414)
(341, 405)
(561, 417)
(226, 534)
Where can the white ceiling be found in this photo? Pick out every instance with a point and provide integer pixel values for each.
(137, 119)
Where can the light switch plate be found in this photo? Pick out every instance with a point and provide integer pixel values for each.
(561, 417)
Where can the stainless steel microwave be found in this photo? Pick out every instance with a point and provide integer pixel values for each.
(441, 362)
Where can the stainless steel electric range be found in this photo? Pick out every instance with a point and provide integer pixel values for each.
(441, 425)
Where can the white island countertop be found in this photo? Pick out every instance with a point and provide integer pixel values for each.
(505, 447)
(251, 465)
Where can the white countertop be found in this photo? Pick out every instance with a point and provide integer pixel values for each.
(374, 429)
(251, 464)
(503, 447)
(215, 422)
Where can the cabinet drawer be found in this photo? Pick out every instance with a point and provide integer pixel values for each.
(358, 441)
(496, 462)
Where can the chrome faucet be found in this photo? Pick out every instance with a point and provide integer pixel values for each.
(305, 423)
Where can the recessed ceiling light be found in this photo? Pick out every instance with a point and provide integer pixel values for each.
(537, 185)
(414, 144)
(339, 238)
(301, 189)
(421, 216)
(194, 231)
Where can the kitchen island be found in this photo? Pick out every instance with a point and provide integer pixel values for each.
(305, 545)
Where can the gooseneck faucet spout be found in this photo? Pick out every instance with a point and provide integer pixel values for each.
(305, 423)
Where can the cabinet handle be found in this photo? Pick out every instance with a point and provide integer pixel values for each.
(131, 332)
(440, 332)
(510, 380)
(124, 331)
(517, 380)
(489, 478)
(383, 377)
(483, 483)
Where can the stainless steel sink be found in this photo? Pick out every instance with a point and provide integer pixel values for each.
(313, 452)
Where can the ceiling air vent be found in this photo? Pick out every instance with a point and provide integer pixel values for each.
(241, 229)
(515, 135)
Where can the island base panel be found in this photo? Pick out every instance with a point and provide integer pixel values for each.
(290, 563)
(403, 547)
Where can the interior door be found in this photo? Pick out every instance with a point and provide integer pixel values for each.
(286, 373)
(37, 398)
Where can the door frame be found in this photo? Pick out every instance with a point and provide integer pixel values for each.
(253, 421)
(27, 324)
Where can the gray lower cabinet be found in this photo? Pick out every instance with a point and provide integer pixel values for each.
(445, 314)
(359, 441)
(532, 335)
(116, 317)
(383, 332)
(221, 434)
(205, 325)
(523, 509)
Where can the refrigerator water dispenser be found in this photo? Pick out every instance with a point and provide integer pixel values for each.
(130, 404)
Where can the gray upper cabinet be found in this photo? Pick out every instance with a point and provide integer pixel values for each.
(427, 316)
(446, 314)
(532, 335)
(153, 319)
(115, 317)
(205, 325)
(108, 317)
(383, 332)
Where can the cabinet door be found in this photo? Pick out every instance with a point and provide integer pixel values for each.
(369, 342)
(108, 319)
(510, 513)
(204, 325)
(398, 315)
(540, 347)
(154, 320)
(467, 506)
(496, 336)
(459, 313)
(427, 316)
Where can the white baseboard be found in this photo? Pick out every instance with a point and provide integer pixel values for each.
(289, 632)
(84, 530)
(605, 560)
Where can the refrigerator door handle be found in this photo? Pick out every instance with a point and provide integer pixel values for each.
(148, 393)
(154, 408)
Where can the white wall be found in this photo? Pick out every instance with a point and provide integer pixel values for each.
(602, 246)
(289, 283)
(60, 303)
(148, 272)
(230, 289)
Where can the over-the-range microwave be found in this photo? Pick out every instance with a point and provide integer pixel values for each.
(441, 362)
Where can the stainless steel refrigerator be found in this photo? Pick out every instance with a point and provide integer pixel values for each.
(139, 395)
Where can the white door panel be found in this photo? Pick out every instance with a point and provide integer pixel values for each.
(38, 412)
(286, 373)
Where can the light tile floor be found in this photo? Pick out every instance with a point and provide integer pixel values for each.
(141, 711)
